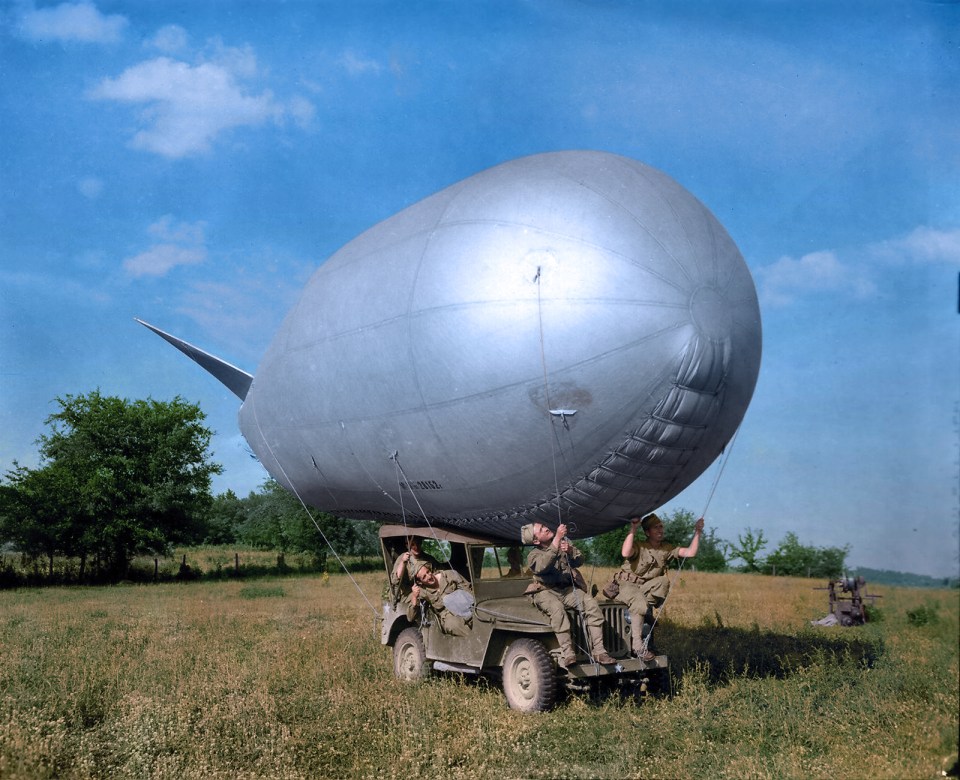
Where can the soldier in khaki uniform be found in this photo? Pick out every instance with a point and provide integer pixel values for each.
(410, 562)
(435, 587)
(559, 586)
(643, 576)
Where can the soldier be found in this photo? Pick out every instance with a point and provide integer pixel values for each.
(558, 585)
(448, 594)
(410, 562)
(643, 576)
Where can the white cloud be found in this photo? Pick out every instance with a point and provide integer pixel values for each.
(818, 272)
(187, 106)
(160, 259)
(169, 39)
(80, 22)
(924, 245)
(788, 279)
(179, 243)
(239, 60)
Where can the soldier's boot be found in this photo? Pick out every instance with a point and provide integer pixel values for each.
(636, 636)
(641, 635)
(599, 652)
(567, 656)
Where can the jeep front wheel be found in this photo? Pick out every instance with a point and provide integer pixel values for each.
(529, 680)
(409, 656)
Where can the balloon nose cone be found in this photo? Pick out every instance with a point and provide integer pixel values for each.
(711, 313)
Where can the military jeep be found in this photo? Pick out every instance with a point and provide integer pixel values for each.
(510, 639)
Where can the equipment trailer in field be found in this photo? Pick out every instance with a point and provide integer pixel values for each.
(510, 639)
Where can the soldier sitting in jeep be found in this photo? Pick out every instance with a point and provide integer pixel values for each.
(410, 562)
(503, 635)
(558, 586)
(449, 596)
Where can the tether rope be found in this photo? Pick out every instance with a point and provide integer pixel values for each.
(310, 515)
(553, 457)
(403, 512)
(723, 464)
(546, 396)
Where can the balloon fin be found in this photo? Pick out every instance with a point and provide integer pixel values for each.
(234, 379)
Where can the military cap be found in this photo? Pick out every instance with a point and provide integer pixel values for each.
(415, 564)
(526, 534)
(650, 520)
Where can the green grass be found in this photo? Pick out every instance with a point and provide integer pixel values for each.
(287, 679)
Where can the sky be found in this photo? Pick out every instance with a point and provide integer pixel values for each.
(192, 163)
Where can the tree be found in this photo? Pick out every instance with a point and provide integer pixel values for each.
(117, 478)
(748, 549)
(605, 548)
(794, 559)
(678, 528)
(276, 520)
(227, 514)
(39, 512)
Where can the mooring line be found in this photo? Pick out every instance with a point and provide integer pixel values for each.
(313, 520)
(724, 458)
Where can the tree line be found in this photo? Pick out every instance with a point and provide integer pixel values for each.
(119, 479)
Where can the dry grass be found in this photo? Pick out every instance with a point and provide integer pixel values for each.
(286, 678)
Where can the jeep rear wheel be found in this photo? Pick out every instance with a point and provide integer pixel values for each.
(529, 680)
(409, 656)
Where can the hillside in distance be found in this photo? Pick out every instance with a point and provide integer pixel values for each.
(903, 579)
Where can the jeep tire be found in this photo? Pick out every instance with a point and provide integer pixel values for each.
(529, 678)
(409, 656)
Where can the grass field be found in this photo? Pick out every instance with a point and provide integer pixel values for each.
(285, 678)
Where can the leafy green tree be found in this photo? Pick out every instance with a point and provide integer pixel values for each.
(227, 515)
(117, 478)
(792, 558)
(712, 555)
(39, 512)
(747, 549)
(276, 520)
(829, 561)
(605, 548)
(678, 528)
(366, 538)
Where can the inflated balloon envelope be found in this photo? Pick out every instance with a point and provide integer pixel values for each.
(567, 336)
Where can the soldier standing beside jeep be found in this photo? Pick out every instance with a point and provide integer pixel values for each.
(558, 586)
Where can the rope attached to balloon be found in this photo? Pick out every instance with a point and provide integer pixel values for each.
(723, 464)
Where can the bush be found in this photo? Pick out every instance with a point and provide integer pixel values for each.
(923, 615)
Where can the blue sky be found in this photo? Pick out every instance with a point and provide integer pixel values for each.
(191, 163)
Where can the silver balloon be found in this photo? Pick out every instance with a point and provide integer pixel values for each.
(567, 337)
